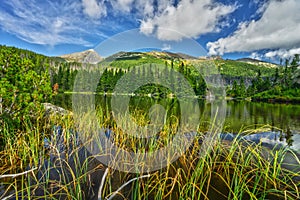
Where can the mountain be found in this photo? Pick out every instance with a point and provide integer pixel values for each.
(88, 56)
(154, 54)
(257, 62)
(122, 55)
(171, 55)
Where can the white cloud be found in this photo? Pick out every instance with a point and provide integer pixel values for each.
(123, 5)
(166, 47)
(148, 8)
(261, 4)
(190, 18)
(67, 22)
(76, 21)
(48, 23)
(256, 56)
(278, 28)
(141, 8)
(146, 27)
(94, 9)
(282, 53)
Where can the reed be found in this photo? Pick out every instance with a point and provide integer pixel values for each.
(231, 170)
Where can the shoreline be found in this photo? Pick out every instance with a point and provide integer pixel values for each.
(279, 99)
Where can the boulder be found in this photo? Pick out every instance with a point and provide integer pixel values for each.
(51, 109)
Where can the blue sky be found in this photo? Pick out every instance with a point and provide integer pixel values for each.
(262, 29)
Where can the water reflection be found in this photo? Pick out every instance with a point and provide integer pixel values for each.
(241, 115)
(283, 116)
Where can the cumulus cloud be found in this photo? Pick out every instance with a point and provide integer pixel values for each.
(166, 47)
(94, 9)
(282, 53)
(123, 5)
(190, 18)
(76, 21)
(278, 28)
(146, 27)
(256, 56)
(140, 8)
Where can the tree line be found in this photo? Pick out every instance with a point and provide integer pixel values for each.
(282, 84)
(64, 78)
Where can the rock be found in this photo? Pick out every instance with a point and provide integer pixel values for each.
(89, 56)
(51, 109)
(271, 143)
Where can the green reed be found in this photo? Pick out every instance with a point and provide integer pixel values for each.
(230, 170)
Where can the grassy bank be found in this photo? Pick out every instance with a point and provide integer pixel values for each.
(281, 96)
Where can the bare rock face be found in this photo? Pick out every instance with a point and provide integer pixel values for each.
(89, 56)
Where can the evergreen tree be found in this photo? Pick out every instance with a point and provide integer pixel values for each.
(242, 88)
(22, 88)
(295, 62)
(59, 75)
(276, 76)
(234, 90)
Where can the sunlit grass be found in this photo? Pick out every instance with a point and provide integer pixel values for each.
(231, 170)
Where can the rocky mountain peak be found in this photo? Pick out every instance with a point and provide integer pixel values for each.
(88, 56)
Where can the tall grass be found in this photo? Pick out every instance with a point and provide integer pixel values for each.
(231, 170)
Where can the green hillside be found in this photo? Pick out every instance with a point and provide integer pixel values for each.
(232, 68)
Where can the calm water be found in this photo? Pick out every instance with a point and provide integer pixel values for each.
(241, 115)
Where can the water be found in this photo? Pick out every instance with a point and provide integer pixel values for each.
(282, 119)
(277, 124)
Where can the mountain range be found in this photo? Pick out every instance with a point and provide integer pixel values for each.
(92, 57)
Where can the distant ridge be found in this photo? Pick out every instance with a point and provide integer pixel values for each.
(88, 56)
(92, 57)
(181, 55)
(158, 54)
(257, 62)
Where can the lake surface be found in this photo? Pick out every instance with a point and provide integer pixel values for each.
(281, 119)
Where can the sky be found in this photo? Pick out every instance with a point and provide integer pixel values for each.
(260, 29)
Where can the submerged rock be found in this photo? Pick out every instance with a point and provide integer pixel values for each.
(271, 142)
(68, 169)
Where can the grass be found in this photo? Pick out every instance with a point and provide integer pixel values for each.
(231, 170)
(285, 95)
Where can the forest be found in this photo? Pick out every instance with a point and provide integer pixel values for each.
(242, 80)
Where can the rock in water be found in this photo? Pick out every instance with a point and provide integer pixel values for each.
(289, 158)
(69, 169)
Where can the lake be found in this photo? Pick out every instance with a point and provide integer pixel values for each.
(280, 119)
